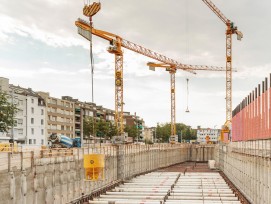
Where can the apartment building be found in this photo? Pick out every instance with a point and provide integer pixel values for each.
(134, 120)
(207, 134)
(60, 115)
(29, 127)
(110, 115)
(39, 115)
(149, 134)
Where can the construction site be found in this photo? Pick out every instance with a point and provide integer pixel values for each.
(235, 170)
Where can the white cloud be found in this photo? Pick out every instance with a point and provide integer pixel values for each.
(260, 71)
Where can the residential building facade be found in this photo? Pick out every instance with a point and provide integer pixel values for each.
(29, 120)
(149, 134)
(60, 115)
(205, 135)
(39, 115)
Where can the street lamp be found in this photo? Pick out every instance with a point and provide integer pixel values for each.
(12, 129)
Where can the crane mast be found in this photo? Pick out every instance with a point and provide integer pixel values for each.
(173, 103)
(231, 29)
(172, 70)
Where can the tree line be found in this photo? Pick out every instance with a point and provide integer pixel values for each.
(163, 132)
(106, 129)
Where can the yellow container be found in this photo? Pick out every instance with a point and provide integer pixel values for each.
(94, 166)
(8, 147)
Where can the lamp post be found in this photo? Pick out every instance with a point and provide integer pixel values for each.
(155, 134)
(12, 129)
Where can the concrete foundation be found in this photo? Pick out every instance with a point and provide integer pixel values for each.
(57, 177)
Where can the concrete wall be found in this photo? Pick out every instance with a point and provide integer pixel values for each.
(248, 166)
(202, 153)
(58, 177)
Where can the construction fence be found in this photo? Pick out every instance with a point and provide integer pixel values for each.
(251, 119)
(248, 166)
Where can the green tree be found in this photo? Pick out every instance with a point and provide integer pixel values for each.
(132, 131)
(112, 130)
(163, 132)
(101, 128)
(88, 127)
(7, 112)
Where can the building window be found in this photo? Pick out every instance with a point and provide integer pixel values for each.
(54, 101)
(34, 141)
(20, 121)
(62, 127)
(42, 132)
(32, 110)
(32, 131)
(41, 122)
(42, 112)
(32, 120)
(42, 141)
(32, 100)
(20, 132)
(30, 141)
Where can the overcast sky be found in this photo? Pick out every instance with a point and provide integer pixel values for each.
(40, 48)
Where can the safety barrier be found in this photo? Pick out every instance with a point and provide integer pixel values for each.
(251, 118)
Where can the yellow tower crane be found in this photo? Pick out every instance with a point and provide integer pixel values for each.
(172, 68)
(85, 29)
(231, 29)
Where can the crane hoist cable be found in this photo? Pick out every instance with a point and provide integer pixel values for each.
(92, 67)
(187, 43)
(187, 94)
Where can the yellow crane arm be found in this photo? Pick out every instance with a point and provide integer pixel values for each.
(84, 28)
(213, 7)
(184, 66)
(84, 25)
(231, 29)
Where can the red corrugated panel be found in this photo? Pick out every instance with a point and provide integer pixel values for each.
(269, 131)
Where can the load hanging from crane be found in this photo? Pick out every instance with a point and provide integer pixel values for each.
(91, 10)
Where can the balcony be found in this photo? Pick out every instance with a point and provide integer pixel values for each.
(77, 111)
